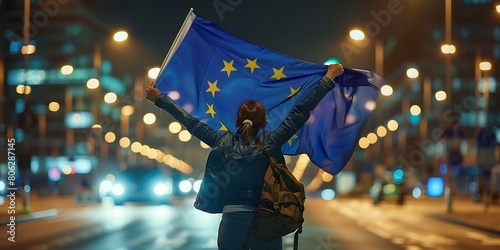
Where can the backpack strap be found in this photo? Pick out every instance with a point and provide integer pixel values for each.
(262, 148)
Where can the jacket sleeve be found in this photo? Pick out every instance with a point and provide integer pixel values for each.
(301, 112)
(199, 129)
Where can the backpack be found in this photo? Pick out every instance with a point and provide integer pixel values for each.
(281, 208)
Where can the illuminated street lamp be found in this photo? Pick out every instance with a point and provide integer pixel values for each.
(124, 142)
(66, 70)
(440, 95)
(127, 110)
(372, 138)
(23, 89)
(412, 73)
(149, 118)
(174, 127)
(498, 8)
(392, 125)
(415, 110)
(92, 83)
(120, 36)
(184, 136)
(485, 66)
(110, 97)
(357, 34)
(110, 137)
(153, 73)
(363, 142)
(28, 49)
(386, 90)
(448, 49)
(381, 131)
(54, 106)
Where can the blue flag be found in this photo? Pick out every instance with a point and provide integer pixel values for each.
(210, 72)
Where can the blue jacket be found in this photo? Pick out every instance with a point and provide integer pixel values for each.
(239, 166)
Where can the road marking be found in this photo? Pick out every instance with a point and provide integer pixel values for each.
(178, 240)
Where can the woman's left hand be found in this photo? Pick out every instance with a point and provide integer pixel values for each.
(152, 92)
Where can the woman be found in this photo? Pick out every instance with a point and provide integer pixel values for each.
(244, 163)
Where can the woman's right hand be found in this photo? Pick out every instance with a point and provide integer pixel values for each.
(334, 70)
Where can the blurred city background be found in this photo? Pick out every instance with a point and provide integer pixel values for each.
(72, 77)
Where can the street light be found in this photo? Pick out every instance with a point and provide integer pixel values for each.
(149, 118)
(386, 90)
(392, 125)
(381, 131)
(359, 35)
(174, 127)
(448, 49)
(66, 70)
(412, 73)
(28, 49)
(54, 106)
(415, 110)
(184, 136)
(110, 97)
(120, 36)
(485, 66)
(440, 95)
(153, 73)
(498, 8)
(363, 142)
(92, 83)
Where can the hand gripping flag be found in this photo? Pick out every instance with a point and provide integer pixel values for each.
(210, 72)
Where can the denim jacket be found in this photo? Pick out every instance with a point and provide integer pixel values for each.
(243, 165)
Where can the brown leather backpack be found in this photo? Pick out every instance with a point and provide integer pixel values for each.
(281, 209)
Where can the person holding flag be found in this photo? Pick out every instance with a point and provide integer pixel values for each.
(238, 155)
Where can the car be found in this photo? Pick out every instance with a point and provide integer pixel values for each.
(138, 183)
(391, 192)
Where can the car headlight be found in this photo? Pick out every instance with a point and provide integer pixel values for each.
(105, 186)
(118, 189)
(160, 189)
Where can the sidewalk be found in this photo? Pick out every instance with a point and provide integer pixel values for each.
(464, 211)
(468, 213)
(39, 207)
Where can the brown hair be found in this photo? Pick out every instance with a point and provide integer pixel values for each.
(255, 112)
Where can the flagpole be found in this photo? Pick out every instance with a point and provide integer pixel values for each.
(178, 39)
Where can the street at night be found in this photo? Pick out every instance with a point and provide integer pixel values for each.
(344, 223)
(183, 125)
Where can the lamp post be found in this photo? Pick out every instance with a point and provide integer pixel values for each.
(359, 35)
(485, 68)
(449, 48)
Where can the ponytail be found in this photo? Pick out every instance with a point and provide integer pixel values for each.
(247, 131)
(251, 118)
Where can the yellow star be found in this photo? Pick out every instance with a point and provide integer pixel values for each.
(222, 127)
(211, 110)
(278, 73)
(293, 137)
(212, 87)
(293, 92)
(252, 64)
(228, 67)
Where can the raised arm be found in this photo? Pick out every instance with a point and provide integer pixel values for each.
(199, 129)
(301, 112)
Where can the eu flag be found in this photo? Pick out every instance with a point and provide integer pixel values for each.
(210, 72)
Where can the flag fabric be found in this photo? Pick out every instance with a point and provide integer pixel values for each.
(210, 72)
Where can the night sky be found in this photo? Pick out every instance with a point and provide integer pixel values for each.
(308, 30)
